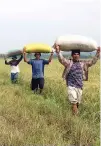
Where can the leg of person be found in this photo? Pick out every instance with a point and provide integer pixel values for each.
(74, 109)
(31, 84)
(79, 95)
(34, 85)
(77, 105)
(41, 84)
(15, 77)
(12, 77)
(72, 95)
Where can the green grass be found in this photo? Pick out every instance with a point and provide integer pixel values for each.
(30, 119)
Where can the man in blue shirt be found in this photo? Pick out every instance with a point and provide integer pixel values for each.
(37, 70)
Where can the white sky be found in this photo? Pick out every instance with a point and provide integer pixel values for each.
(27, 21)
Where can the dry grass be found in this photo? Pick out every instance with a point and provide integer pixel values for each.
(29, 119)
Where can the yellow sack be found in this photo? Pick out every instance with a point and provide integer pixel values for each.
(37, 47)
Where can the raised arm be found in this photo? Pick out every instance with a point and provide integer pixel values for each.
(61, 59)
(7, 63)
(95, 58)
(25, 58)
(20, 58)
(50, 58)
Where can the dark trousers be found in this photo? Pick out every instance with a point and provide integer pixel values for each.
(14, 77)
(37, 83)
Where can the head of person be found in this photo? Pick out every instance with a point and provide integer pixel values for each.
(14, 57)
(75, 55)
(37, 55)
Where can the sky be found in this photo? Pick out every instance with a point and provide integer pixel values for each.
(28, 21)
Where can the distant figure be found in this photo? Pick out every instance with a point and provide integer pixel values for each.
(14, 68)
(37, 70)
(75, 72)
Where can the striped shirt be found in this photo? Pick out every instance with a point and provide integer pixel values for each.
(75, 76)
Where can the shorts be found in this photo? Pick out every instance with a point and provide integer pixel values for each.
(74, 94)
(37, 83)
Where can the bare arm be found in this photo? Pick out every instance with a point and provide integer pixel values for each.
(95, 58)
(25, 58)
(20, 58)
(50, 58)
(7, 63)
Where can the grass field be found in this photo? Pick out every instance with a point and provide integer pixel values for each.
(28, 119)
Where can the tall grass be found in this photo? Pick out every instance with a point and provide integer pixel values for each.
(30, 119)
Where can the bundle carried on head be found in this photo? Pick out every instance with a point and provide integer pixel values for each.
(76, 42)
(37, 47)
(14, 52)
